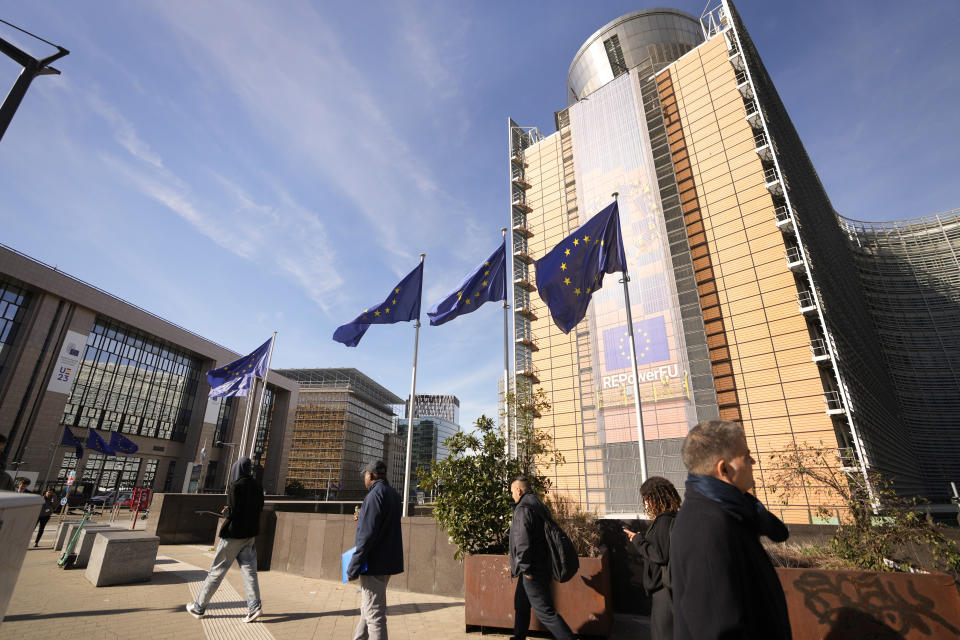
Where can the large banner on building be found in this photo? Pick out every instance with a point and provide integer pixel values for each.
(68, 362)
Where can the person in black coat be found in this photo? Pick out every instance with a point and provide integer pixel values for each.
(47, 509)
(530, 564)
(237, 541)
(724, 584)
(661, 502)
(378, 550)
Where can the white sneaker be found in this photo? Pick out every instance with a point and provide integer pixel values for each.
(250, 617)
(194, 610)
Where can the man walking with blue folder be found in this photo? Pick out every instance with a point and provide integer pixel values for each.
(379, 551)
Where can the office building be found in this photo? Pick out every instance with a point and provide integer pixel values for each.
(75, 356)
(746, 288)
(343, 421)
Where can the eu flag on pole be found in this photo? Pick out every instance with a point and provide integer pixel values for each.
(121, 443)
(96, 443)
(236, 378)
(401, 305)
(651, 336)
(487, 283)
(574, 269)
(70, 440)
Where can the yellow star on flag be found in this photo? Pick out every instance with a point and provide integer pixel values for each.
(566, 252)
(563, 266)
(576, 242)
(566, 281)
(576, 291)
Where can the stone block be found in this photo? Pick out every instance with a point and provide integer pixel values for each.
(72, 529)
(18, 516)
(62, 531)
(121, 557)
(85, 544)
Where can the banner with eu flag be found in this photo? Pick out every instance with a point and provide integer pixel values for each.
(569, 274)
(487, 283)
(651, 341)
(401, 305)
(236, 378)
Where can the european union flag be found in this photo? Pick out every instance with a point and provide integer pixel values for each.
(651, 343)
(96, 443)
(121, 443)
(236, 378)
(70, 440)
(487, 283)
(402, 304)
(573, 270)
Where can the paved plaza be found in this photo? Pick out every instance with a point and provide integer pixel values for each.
(50, 602)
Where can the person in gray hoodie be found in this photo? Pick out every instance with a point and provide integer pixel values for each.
(237, 541)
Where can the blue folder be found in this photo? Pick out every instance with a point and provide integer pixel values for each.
(345, 563)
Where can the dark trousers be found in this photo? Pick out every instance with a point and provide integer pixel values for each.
(43, 523)
(535, 593)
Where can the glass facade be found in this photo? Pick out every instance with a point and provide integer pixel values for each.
(612, 154)
(221, 432)
(113, 472)
(342, 419)
(132, 382)
(14, 302)
(263, 427)
(429, 438)
(149, 473)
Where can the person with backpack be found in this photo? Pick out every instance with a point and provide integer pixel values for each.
(661, 502)
(531, 565)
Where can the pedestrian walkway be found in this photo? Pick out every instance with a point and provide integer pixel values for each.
(49, 602)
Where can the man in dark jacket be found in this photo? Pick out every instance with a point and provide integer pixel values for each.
(530, 564)
(379, 551)
(237, 536)
(724, 585)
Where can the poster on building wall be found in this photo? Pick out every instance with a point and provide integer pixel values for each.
(68, 362)
(213, 410)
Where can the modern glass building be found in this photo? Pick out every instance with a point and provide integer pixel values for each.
(745, 289)
(73, 356)
(343, 421)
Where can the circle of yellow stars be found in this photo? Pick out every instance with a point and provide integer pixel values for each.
(563, 265)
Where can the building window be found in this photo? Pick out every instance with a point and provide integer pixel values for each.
(132, 382)
(14, 302)
(263, 427)
(149, 473)
(168, 483)
(68, 464)
(220, 433)
(211, 475)
(615, 55)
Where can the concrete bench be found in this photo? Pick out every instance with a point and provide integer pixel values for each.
(71, 529)
(121, 557)
(62, 531)
(85, 544)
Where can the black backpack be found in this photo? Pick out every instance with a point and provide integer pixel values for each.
(564, 562)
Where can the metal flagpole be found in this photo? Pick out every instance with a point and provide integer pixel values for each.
(243, 438)
(633, 366)
(506, 344)
(413, 402)
(263, 392)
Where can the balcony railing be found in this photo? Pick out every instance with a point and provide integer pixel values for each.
(818, 347)
(806, 301)
(783, 215)
(833, 402)
(794, 258)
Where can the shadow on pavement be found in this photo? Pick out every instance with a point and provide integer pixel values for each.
(26, 617)
(392, 610)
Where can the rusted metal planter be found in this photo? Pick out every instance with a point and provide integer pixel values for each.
(851, 605)
(585, 602)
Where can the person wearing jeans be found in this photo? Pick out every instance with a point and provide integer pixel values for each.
(237, 541)
(530, 564)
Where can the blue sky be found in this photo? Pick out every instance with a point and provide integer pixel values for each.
(239, 168)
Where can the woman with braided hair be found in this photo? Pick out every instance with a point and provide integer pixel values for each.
(661, 502)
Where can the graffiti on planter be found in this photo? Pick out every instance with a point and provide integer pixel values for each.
(828, 595)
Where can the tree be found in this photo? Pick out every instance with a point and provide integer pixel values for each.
(473, 504)
(875, 524)
(294, 488)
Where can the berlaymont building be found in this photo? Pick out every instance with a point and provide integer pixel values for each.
(753, 300)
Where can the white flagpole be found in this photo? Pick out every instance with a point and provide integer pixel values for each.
(633, 366)
(263, 392)
(506, 343)
(412, 403)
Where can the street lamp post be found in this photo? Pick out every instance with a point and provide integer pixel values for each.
(32, 67)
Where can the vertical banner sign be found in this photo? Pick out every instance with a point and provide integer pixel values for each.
(68, 362)
(213, 410)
